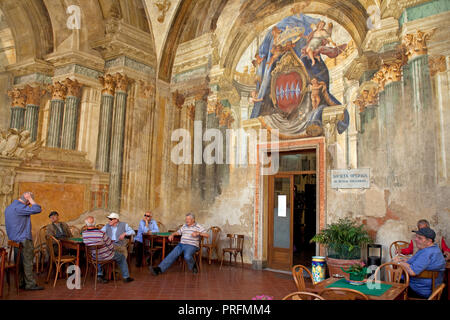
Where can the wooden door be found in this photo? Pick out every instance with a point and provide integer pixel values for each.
(280, 221)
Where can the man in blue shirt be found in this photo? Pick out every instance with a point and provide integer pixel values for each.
(146, 225)
(18, 228)
(430, 258)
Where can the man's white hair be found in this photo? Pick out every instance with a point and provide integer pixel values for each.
(90, 224)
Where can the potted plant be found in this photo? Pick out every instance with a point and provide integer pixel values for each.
(343, 241)
(357, 271)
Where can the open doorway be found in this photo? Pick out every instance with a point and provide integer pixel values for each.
(304, 218)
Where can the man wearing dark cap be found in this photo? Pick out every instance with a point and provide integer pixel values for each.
(429, 257)
(57, 229)
(18, 228)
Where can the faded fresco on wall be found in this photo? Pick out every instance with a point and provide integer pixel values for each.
(292, 79)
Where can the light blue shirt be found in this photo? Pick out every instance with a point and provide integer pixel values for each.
(430, 258)
(128, 231)
(152, 226)
(18, 222)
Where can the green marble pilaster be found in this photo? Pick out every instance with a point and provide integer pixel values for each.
(420, 82)
(69, 131)
(17, 117)
(104, 133)
(116, 157)
(32, 120)
(198, 166)
(55, 123)
(211, 178)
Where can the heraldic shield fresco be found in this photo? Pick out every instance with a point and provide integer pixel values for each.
(293, 82)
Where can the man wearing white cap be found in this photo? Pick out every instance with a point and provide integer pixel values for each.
(117, 231)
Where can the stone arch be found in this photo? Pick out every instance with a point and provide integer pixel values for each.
(30, 26)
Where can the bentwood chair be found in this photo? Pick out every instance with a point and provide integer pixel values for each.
(436, 295)
(149, 248)
(161, 226)
(427, 274)
(75, 231)
(342, 294)
(297, 274)
(40, 249)
(392, 272)
(13, 266)
(2, 269)
(2, 238)
(57, 259)
(397, 246)
(211, 243)
(299, 295)
(92, 260)
(99, 226)
(197, 256)
(236, 247)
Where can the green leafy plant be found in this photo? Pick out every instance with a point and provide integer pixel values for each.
(343, 239)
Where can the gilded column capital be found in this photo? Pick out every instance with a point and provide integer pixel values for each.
(146, 89)
(367, 97)
(57, 90)
(225, 118)
(73, 87)
(18, 97)
(34, 95)
(122, 81)
(415, 44)
(393, 72)
(108, 83)
(380, 77)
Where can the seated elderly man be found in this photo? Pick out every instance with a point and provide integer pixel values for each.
(146, 225)
(429, 257)
(56, 228)
(189, 244)
(94, 237)
(117, 231)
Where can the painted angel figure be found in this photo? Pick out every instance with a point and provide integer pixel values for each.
(317, 43)
(316, 88)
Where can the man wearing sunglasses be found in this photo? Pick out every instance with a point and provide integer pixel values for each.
(146, 226)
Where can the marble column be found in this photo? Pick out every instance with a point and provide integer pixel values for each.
(70, 125)
(105, 123)
(18, 99)
(117, 139)
(31, 122)
(58, 92)
(198, 167)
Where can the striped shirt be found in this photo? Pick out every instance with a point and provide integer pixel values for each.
(95, 237)
(186, 234)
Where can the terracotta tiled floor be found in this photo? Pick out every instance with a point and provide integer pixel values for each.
(228, 283)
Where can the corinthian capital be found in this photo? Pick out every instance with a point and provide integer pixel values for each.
(108, 84)
(122, 82)
(18, 97)
(58, 91)
(34, 95)
(73, 87)
(415, 44)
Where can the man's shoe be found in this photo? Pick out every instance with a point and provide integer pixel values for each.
(102, 280)
(36, 287)
(194, 269)
(129, 279)
(155, 271)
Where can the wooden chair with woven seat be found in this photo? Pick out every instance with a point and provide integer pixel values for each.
(300, 295)
(99, 226)
(210, 244)
(3, 256)
(342, 294)
(393, 272)
(57, 259)
(436, 295)
(40, 249)
(2, 238)
(130, 242)
(13, 266)
(299, 279)
(236, 247)
(161, 226)
(397, 246)
(92, 251)
(75, 231)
